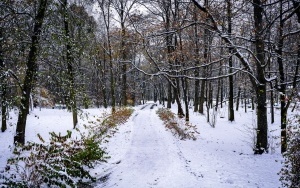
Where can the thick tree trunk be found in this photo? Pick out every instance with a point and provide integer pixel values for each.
(196, 56)
(70, 71)
(31, 73)
(231, 108)
(262, 124)
(282, 86)
(123, 55)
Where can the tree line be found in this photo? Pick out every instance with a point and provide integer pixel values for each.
(198, 54)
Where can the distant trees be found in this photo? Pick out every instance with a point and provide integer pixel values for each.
(199, 54)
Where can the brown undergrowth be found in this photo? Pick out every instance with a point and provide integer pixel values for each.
(178, 126)
(109, 121)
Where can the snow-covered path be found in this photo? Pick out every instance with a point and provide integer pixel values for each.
(152, 158)
(144, 154)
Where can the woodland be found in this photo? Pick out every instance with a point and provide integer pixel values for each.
(199, 54)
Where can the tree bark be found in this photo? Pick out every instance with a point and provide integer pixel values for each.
(231, 109)
(238, 99)
(262, 124)
(185, 97)
(123, 54)
(3, 82)
(70, 61)
(31, 74)
(196, 56)
(282, 85)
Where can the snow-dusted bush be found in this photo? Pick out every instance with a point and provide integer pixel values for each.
(290, 172)
(65, 161)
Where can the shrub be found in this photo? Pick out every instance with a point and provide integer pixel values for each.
(290, 172)
(178, 126)
(63, 162)
(120, 116)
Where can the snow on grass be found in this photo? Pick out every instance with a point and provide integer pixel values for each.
(146, 154)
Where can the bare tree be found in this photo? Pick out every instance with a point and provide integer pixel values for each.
(31, 73)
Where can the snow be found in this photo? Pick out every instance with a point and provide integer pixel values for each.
(145, 154)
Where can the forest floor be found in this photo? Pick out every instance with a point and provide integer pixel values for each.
(144, 153)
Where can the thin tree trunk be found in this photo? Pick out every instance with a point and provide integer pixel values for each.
(202, 97)
(103, 72)
(238, 99)
(185, 88)
(210, 96)
(31, 73)
(222, 92)
(245, 100)
(218, 90)
(3, 82)
(272, 103)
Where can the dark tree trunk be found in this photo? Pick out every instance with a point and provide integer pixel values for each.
(169, 98)
(70, 71)
(3, 82)
(123, 55)
(238, 99)
(222, 92)
(210, 96)
(272, 103)
(252, 103)
(245, 100)
(231, 108)
(31, 73)
(196, 56)
(262, 124)
(185, 97)
(202, 97)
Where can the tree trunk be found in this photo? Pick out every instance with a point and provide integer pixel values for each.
(222, 92)
(262, 124)
(3, 82)
(202, 97)
(123, 56)
(282, 85)
(70, 71)
(31, 73)
(272, 103)
(169, 97)
(196, 56)
(185, 97)
(231, 109)
(238, 99)
(103, 75)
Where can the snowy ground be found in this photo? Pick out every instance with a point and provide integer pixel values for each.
(145, 154)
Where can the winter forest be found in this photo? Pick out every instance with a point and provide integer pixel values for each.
(150, 93)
